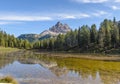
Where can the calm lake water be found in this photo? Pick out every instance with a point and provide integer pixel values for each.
(34, 68)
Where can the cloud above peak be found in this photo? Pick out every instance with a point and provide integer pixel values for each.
(49, 17)
(96, 1)
(72, 16)
(99, 13)
(117, 0)
(9, 22)
(15, 18)
(115, 7)
(23, 18)
(90, 1)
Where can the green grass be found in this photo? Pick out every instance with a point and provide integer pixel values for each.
(8, 49)
(8, 79)
(109, 70)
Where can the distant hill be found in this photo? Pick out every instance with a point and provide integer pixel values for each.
(54, 31)
(30, 37)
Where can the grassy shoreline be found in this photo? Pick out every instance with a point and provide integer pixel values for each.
(110, 52)
(8, 49)
(8, 79)
(92, 56)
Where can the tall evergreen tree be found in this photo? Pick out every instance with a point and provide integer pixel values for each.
(93, 34)
(101, 37)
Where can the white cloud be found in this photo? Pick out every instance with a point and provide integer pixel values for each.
(44, 17)
(3, 23)
(67, 16)
(15, 18)
(99, 13)
(90, 1)
(115, 8)
(18, 19)
(7, 22)
(117, 0)
(83, 15)
(72, 16)
(23, 18)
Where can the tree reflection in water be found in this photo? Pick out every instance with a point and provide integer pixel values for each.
(32, 68)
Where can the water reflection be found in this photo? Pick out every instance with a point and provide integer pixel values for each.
(32, 68)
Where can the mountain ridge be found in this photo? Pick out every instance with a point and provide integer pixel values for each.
(53, 31)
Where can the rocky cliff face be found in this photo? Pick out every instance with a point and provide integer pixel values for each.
(55, 30)
(60, 28)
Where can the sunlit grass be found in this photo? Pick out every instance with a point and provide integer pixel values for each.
(8, 49)
(109, 70)
(8, 79)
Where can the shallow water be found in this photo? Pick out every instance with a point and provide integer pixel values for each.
(32, 68)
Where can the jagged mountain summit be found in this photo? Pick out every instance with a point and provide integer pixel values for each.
(53, 31)
(60, 28)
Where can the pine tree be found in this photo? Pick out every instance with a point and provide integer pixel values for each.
(101, 37)
(93, 34)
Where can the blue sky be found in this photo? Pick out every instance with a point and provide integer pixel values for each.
(34, 16)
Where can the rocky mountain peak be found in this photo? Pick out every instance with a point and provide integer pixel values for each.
(54, 31)
(60, 28)
(58, 24)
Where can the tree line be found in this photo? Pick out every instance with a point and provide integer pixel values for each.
(7, 40)
(86, 39)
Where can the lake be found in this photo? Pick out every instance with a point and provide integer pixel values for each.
(29, 67)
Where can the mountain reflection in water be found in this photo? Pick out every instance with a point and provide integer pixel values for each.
(32, 68)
